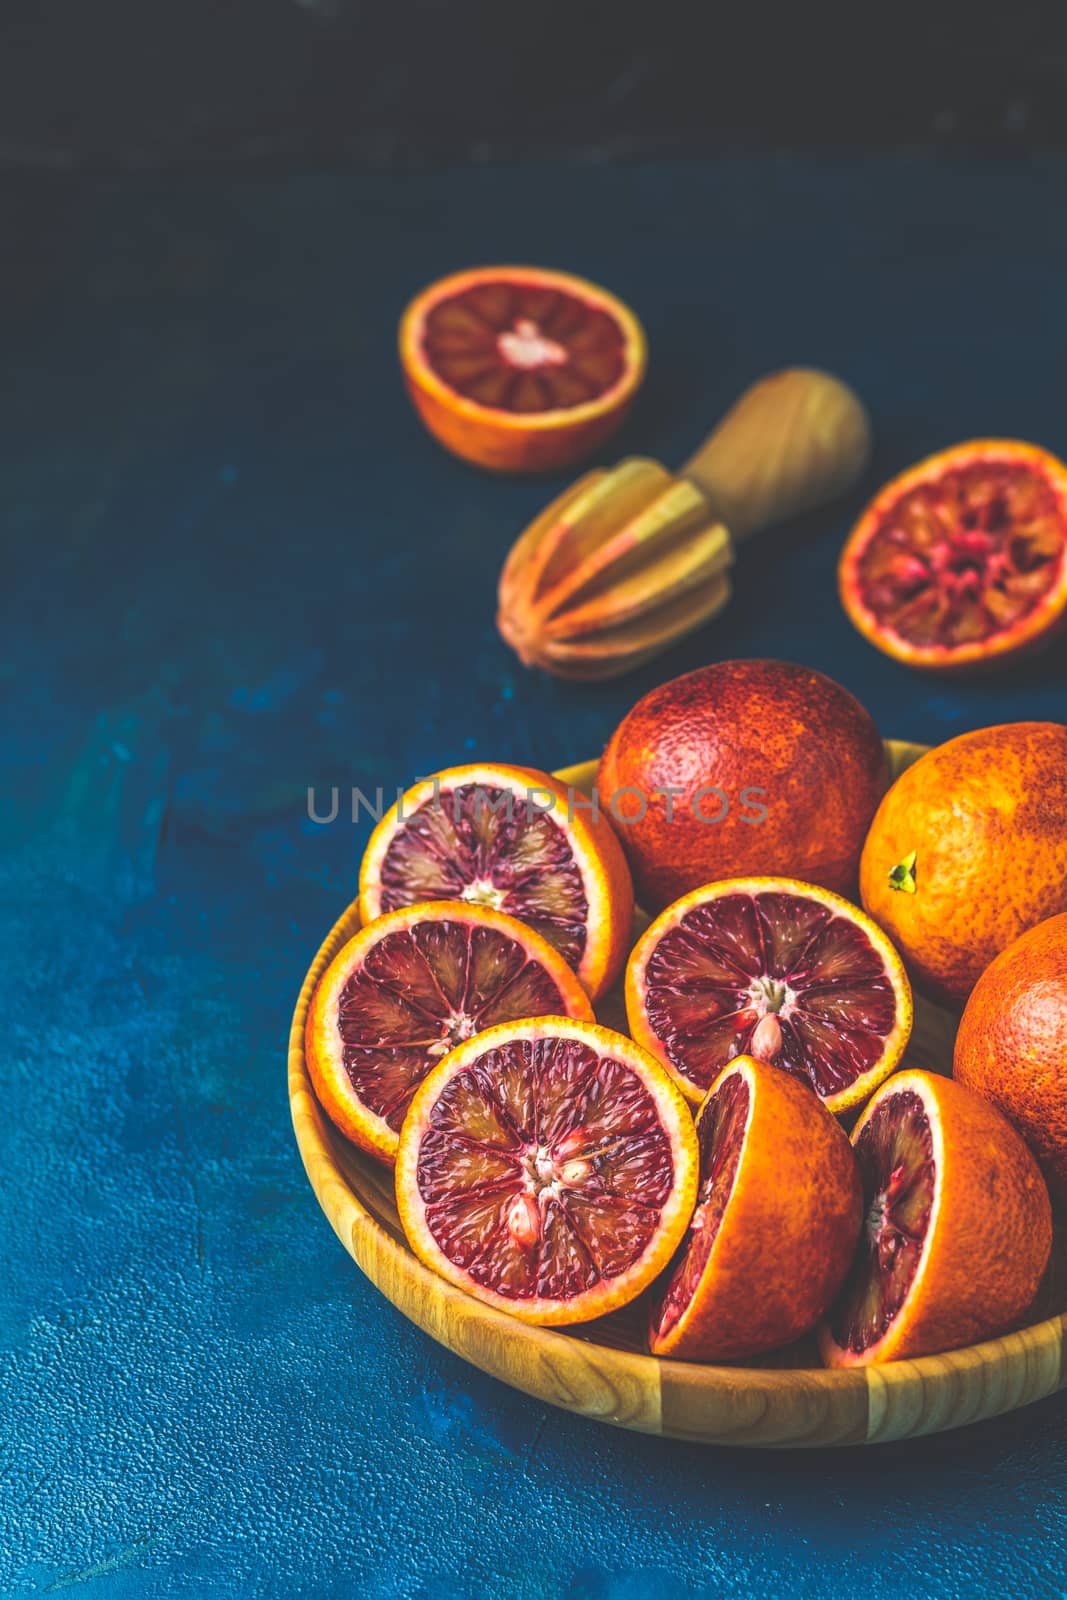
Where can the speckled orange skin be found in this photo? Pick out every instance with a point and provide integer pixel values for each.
(989, 1235)
(787, 1234)
(770, 725)
(1012, 1043)
(986, 815)
(494, 444)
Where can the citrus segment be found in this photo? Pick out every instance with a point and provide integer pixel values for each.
(962, 559)
(957, 1227)
(516, 840)
(778, 1211)
(549, 1168)
(896, 1160)
(774, 967)
(720, 1134)
(523, 346)
(408, 987)
(519, 368)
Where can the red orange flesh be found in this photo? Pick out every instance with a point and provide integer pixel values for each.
(962, 560)
(549, 1168)
(520, 368)
(778, 1213)
(515, 839)
(404, 990)
(957, 1228)
(773, 967)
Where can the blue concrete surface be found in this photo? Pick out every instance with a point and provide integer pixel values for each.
(234, 566)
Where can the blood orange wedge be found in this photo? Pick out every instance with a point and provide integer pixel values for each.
(957, 1230)
(549, 1168)
(520, 369)
(778, 1212)
(515, 839)
(962, 559)
(774, 968)
(408, 987)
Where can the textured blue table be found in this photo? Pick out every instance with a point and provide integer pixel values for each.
(235, 566)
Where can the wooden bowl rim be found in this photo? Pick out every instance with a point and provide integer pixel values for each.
(858, 1397)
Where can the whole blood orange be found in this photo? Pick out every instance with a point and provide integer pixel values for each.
(1012, 1043)
(968, 849)
(776, 969)
(742, 768)
(548, 1168)
(957, 1230)
(404, 990)
(962, 560)
(520, 369)
(778, 1213)
(517, 840)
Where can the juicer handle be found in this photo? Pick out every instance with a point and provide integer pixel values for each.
(795, 440)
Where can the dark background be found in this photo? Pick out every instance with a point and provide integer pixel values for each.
(235, 565)
(271, 83)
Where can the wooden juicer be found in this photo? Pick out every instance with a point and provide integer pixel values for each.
(627, 561)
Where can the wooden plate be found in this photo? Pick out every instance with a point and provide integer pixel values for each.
(602, 1369)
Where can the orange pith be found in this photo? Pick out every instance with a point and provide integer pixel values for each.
(401, 991)
(516, 839)
(774, 967)
(962, 559)
(549, 1168)
(778, 1213)
(957, 1230)
(968, 849)
(1012, 1043)
(520, 368)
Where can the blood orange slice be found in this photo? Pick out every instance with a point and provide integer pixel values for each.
(778, 1212)
(515, 839)
(549, 1168)
(962, 559)
(957, 1231)
(520, 369)
(404, 990)
(770, 967)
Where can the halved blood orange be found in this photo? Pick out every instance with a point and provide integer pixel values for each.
(957, 1231)
(549, 1168)
(962, 559)
(518, 368)
(398, 996)
(774, 968)
(515, 839)
(775, 1227)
